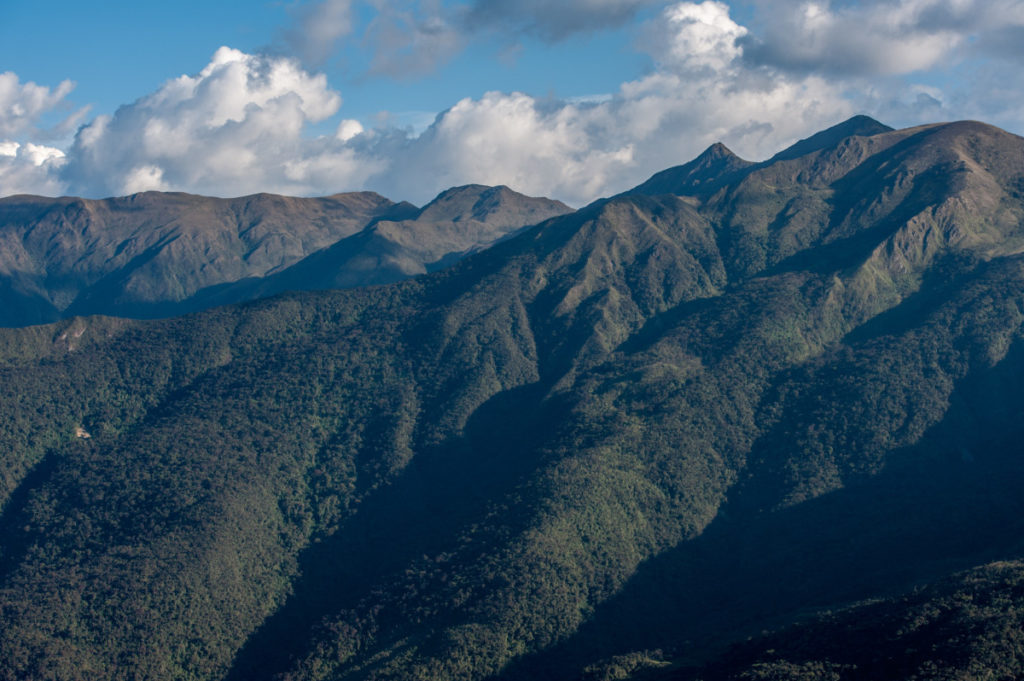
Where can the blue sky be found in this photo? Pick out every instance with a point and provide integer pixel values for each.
(574, 99)
(118, 51)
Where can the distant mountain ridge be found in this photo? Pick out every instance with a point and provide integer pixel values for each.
(718, 165)
(159, 255)
(460, 221)
(163, 254)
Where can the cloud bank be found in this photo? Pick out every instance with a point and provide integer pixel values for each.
(244, 123)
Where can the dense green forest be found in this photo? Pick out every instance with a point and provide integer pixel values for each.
(723, 404)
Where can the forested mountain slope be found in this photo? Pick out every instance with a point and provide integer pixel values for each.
(664, 421)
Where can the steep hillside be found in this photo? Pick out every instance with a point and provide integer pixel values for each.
(665, 421)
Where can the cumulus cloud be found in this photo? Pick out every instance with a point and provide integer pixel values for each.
(696, 36)
(23, 105)
(27, 167)
(242, 125)
(235, 126)
(884, 51)
(30, 169)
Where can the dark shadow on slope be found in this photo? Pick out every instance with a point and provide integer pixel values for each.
(949, 503)
(22, 308)
(941, 282)
(423, 512)
(654, 329)
(101, 296)
(14, 541)
(846, 252)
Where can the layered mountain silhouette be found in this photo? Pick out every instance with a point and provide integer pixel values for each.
(160, 255)
(697, 430)
(460, 221)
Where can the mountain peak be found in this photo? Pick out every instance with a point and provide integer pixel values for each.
(716, 151)
(461, 190)
(860, 125)
(715, 166)
(499, 205)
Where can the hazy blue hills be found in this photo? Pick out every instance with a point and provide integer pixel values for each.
(630, 441)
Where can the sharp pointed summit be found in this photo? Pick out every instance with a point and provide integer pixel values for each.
(715, 152)
(704, 174)
(862, 126)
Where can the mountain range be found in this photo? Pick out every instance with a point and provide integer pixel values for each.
(744, 421)
(159, 255)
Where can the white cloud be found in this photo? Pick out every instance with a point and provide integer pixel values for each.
(348, 129)
(30, 169)
(235, 127)
(34, 154)
(38, 154)
(22, 105)
(697, 36)
(241, 125)
(969, 52)
(577, 151)
(516, 140)
(144, 179)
